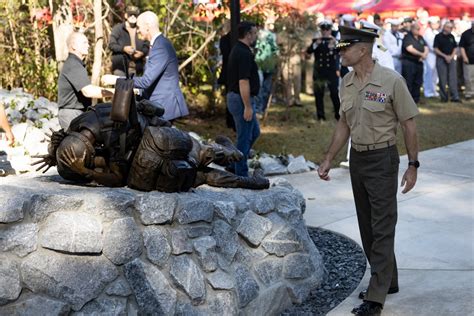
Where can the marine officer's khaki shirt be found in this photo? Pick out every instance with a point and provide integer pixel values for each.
(374, 110)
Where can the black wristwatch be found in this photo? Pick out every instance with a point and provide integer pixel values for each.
(414, 163)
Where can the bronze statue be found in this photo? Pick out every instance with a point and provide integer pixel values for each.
(120, 143)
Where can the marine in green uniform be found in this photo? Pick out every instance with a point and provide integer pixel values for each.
(374, 100)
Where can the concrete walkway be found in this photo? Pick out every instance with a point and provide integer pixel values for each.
(435, 231)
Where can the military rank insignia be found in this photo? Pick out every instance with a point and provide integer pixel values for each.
(376, 96)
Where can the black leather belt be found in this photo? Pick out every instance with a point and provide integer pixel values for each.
(361, 148)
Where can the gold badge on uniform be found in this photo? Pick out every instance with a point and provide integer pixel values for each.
(375, 96)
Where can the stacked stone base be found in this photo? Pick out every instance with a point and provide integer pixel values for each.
(67, 249)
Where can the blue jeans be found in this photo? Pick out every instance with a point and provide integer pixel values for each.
(264, 93)
(247, 131)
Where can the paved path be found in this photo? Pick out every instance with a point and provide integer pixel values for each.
(435, 232)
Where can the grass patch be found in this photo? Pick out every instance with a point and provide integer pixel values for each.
(297, 131)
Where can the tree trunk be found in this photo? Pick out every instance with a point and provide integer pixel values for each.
(62, 27)
(99, 41)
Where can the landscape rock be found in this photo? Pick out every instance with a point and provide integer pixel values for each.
(153, 293)
(270, 302)
(195, 231)
(187, 276)
(10, 287)
(191, 209)
(113, 306)
(74, 279)
(225, 210)
(298, 266)
(226, 239)
(12, 206)
(41, 205)
(283, 242)
(73, 232)
(269, 271)
(119, 287)
(254, 227)
(220, 280)
(179, 243)
(205, 248)
(298, 165)
(156, 207)
(20, 239)
(223, 303)
(122, 241)
(33, 304)
(272, 166)
(157, 246)
(246, 286)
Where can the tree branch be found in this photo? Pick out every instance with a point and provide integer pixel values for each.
(196, 53)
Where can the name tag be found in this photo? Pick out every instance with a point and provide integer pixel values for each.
(375, 96)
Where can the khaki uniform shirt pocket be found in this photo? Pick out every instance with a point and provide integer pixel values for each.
(375, 113)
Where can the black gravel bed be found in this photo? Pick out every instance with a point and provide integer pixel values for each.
(345, 265)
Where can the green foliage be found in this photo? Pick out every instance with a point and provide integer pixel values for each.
(27, 53)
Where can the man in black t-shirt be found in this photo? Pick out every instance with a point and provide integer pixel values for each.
(75, 91)
(243, 84)
(467, 52)
(445, 49)
(414, 52)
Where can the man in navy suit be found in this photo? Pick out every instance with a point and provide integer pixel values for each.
(160, 81)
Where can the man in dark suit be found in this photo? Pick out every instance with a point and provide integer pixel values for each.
(160, 81)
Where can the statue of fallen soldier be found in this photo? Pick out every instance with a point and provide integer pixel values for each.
(126, 143)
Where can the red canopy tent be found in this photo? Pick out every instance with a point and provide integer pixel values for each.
(445, 8)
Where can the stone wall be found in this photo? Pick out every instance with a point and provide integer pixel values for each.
(83, 250)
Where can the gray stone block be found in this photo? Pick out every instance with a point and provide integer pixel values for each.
(20, 239)
(157, 246)
(10, 287)
(191, 209)
(220, 280)
(270, 270)
(299, 290)
(222, 303)
(227, 240)
(206, 252)
(41, 205)
(298, 266)
(249, 254)
(246, 286)
(272, 166)
(254, 227)
(13, 204)
(104, 306)
(110, 204)
(74, 279)
(272, 301)
(225, 210)
(37, 305)
(156, 207)
(298, 165)
(197, 230)
(283, 242)
(187, 309)
(122, 241)
(73, 232)
(153, 293)
(187, 276)
(179, 243)
(119, 287)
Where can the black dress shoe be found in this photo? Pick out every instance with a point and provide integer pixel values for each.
(392, 290)
(368, 308)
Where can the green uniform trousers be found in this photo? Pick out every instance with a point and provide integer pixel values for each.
(374, 178)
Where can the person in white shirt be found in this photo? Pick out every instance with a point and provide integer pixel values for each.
(392, 40)
(430, 74)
